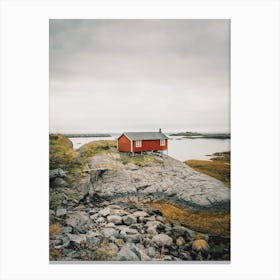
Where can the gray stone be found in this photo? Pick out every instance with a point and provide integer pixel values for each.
(77, 219)
(65, 240)
(104, 212)
(179, 231)
(152, 231)
(139, 252)
(133, 238)
(186, 256)
(73, 254)
(113, 247)
(107, 232)
(160, 219)
(126, 254)
(154, 224)
(57, 173)
(129, 235)
(67, 229)
(117, 220)
(61, 212)
(94, 239)
(59, 182)
(130, 231)
(77, 238)
(58, 242)
(110, 225)
(162, 239)
(151, 251)
(100, 220)
(167, 258)
(140, 214)
(92, 211)
(94, 216)
(129, 219)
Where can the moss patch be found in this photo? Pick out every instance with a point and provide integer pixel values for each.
(212, 223)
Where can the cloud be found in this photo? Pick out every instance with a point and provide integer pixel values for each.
(114, 74)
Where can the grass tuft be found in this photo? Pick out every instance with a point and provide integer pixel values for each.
(55, 229)
(138, 159)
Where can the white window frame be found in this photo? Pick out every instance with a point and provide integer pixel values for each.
(138, 143)
(162, 142)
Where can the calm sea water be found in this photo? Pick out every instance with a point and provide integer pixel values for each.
(179, 148)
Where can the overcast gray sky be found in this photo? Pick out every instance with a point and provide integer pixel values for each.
(129, 75)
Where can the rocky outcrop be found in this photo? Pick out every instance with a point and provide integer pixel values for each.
(166, 179)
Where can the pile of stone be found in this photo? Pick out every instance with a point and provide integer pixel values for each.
(125, 233)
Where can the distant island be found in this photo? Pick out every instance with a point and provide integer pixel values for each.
(189, 134)
(87, 135)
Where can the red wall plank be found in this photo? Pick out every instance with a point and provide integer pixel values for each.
(150, 145)
(124, 144)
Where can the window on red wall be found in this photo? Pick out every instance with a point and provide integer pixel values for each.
(162, 142)
(138, 144)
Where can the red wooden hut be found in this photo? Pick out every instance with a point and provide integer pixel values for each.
(133, 142)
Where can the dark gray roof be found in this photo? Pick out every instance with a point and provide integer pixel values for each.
(145, 135)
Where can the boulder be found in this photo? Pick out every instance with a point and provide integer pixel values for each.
(129, 219)
(130, 235)
(140, 214)
(77, 219)
(151, 251)
(162, 239)
(65, 240)
(178, 231)
(139, 252)
(100, 220)
(160, 218)
(94, 238)
(61, 212)
(107, 232)
(67, 229)
(117, 220)
(104, 212)
(59, 182)
(77, 238)
(126, 254)
(110, 225)
(57, 173)
(113, 247)
(152, 231)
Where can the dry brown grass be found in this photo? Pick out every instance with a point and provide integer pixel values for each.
(217, 169)
(97, 147)
(62, 155)
(55, 229)
(212, 223)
